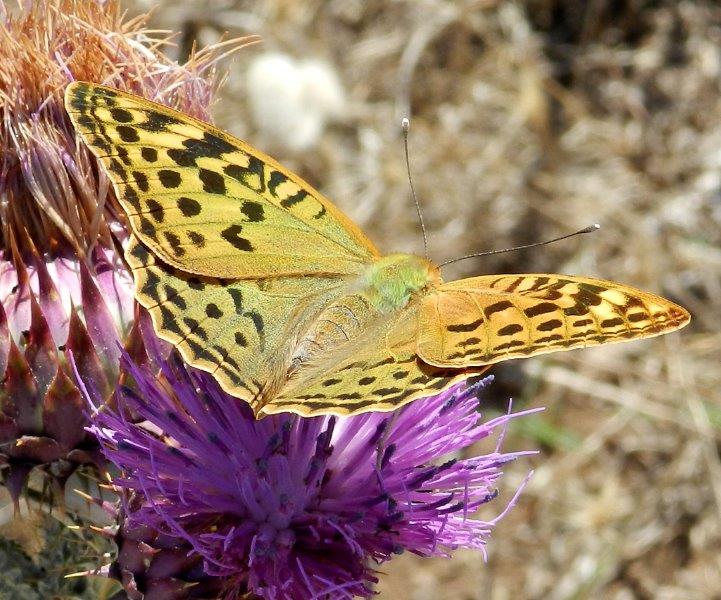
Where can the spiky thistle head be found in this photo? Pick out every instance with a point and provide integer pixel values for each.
(51, 186)
(63, 285)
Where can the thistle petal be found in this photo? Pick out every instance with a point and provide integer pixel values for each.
(51, 303)
(99, 322)
(20, 393)
(85, 358)
(64, 412)
(40, 350)
(4, 340)
(15, 480)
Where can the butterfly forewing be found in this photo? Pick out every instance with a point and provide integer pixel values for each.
(206, 202)
(483, 320)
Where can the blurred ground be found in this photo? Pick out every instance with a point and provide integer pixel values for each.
(530, 120)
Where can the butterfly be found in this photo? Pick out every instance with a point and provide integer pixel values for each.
(258, 279)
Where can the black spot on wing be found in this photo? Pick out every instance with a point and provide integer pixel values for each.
(587, 297)
(169, 178)
(155, 209)
(188, 206)
(124, 155)
(275, 179)
(174, 242)
(213, 311)
(539, 283)
(149, 154)
(146, 227)
(168, 322)
(156, 122)
(117, 167)
(121, 115)
(213, 182)
(210, 146)
(252, 176)
(465, 327)
(387, 391)
(181, 157)
(131, 196)
(87, 122)
(142, 180)
(232, 236)
(616, 322)
(201, 351)
(510, 329)
(516, 282)
(128, 134)
(294, 199)
(102, 144)
(78, 101)
(549, 338)
(594, 289)
(540, 309)
(509, 345)
(550, 325)
(172, 296)
(197, 239)
(253, 210)
(550, 294)
(194, 328)
(471, 341)
(577, 310)
(237, 297)
(257, 321)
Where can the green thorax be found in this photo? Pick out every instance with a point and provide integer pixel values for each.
(391, 281)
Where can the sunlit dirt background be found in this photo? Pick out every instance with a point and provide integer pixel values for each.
(529, 120)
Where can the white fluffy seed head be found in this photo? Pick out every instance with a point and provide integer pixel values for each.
(292, 101)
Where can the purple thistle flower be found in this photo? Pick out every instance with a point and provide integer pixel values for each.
(291, 507)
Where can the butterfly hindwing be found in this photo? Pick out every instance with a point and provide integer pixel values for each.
(483, 320)
(206, 202)
(379, 372)
(232, 329)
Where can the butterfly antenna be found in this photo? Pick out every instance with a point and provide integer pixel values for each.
(589, 229)
(406, 125)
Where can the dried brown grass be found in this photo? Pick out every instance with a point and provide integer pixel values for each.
(532, 119)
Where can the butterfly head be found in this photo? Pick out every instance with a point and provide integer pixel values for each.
(392, 280)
